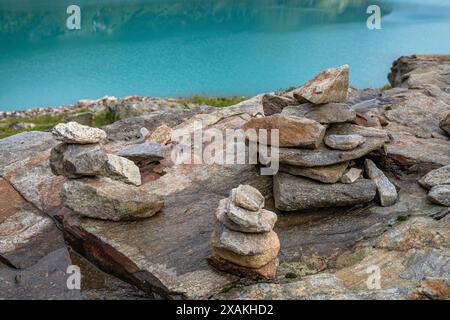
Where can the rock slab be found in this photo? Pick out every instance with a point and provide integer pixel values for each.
(73, 132)
(325, 113)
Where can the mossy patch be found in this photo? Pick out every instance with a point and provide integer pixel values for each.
(219, 102)
(293, 270)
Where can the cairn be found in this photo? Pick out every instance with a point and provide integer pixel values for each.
(100, 185)
(243, 241)
(319, 145)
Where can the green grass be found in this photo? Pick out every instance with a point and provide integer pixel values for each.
(386, 87)
(219, 102)
(43, 123)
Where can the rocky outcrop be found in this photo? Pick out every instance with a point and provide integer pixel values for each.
(327, 87)
(243, 241)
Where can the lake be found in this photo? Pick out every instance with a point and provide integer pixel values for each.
(171, 48)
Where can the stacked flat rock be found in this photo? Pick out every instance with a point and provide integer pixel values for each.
(318, 139)
(243, 241)
(100, 185)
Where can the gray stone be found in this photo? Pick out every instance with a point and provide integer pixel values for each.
(265, 223)
(351, 175)
(75, 161)
(323, 156)
(107, 199)
(328, 86)
(440, 195)
(294, 193)
(73, 132)
(247, 197)
(344, 142)
(387, 192)
(252, 250)
(148, 151)
(324, 113)
(250, 220)
(445, 124)
(436, 177)
(273, 104)
(328, 174)
(293, 131)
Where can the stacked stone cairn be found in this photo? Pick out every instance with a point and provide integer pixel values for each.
(100, 185)
(243, 241)
(319, 144)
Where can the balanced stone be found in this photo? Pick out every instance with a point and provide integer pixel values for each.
(73, 132)
(265, 222)
(323, 156)
(247, 197)
(344, 142)
(294, 193)
(387, 192)
(328, 174)
(440, 195)
(328, 86)
(445, 124)
(75, 161)
(436, 177)
(293, 131)
(148, 151)
(107, 199)
(324, 113)
(245, 249)
(273, 104)
(351, 175)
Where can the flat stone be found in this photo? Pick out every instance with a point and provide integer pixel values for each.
(436, 177)
(24, 145)
(327, 174)
(293, 131)
(295, 193)
(107, 199)
(75, 161)
(273, 104)
(387, 192)
(265, 223)
(73, 132)
(344, 142)
(445, 124)
(265, 272)
(148, 151)
(440, 195)
(351, 175)
(328, 86)
(161, 135)
(324, 113)
(247, 197)
(245, 249)
(250, 221)
(323, 156)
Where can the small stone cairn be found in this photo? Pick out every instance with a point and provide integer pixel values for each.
(243, 241)
(100, 185)
(319, 143)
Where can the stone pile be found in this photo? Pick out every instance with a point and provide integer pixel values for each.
(100, 185)
(438, 184)
(318, 143)
(243, 241)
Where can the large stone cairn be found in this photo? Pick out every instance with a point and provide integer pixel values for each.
(318, 146)
(243, 241)
(100, 185)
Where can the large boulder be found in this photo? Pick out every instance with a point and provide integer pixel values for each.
(324, 113)
(295, 193)
(293, 131)
(328, 86)
(107, 199)
(73, 132)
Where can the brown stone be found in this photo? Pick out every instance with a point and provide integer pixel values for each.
(273, 104)
(327, 174)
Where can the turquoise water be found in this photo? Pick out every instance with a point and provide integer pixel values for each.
(212, 47)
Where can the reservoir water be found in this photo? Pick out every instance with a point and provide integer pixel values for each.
(171, 48)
